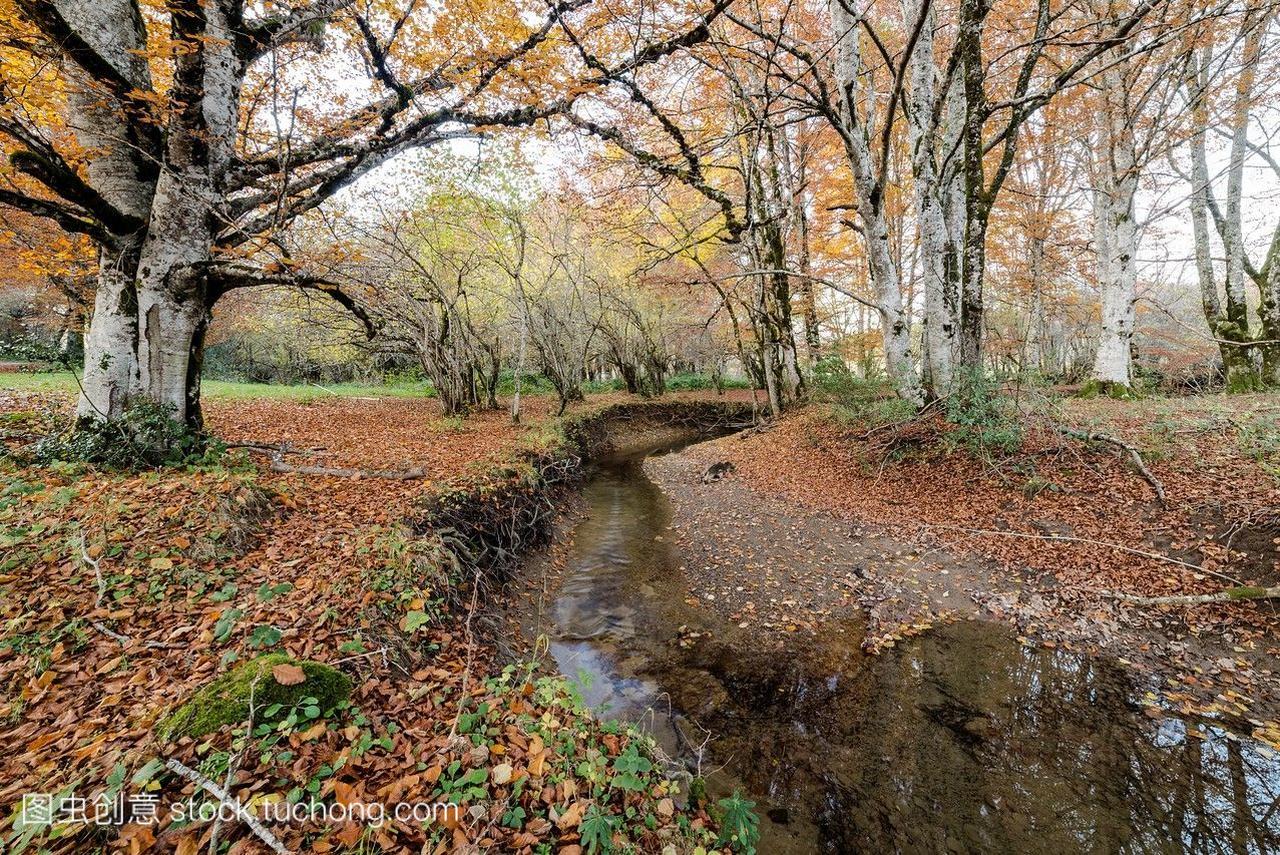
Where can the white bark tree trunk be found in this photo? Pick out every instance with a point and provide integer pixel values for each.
(153, 302)
(111, 370)
(938, 199)
(1117, 234)
(895, 319)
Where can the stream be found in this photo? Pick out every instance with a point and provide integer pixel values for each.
(960, 740)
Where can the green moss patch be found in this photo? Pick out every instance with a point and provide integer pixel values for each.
(226, 699)
(1107, 389)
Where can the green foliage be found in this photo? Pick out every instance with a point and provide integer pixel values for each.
(1259, 437)
(145, 436)
(982, 419)
(530, 384)
(739, 825)
(1104, 389)
(264, 636)
(597, 831)
(629, 770)
(596, 387)
(226, 699)
(857, 400)
(687, 382)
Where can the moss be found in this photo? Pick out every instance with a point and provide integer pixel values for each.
(698, 792)
(1243, 379)
(1246, 593)
(226, 699)
(1107, 389)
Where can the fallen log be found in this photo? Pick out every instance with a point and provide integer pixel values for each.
(278, 465)
(1230, 595)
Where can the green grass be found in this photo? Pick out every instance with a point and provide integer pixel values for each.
(64, 381)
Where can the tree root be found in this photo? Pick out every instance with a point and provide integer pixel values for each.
(1230, 595)
(1135, 456)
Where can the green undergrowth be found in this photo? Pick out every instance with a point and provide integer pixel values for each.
(628, 799)
(145, 436)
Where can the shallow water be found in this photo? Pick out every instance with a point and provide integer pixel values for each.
(961, 740)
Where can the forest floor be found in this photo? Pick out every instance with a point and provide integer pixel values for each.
(900, 521)
(121, 594)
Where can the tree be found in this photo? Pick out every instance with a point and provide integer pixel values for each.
(1134, 127)
(174, 151)
(1249, 358)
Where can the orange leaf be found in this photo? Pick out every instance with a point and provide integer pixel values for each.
(287, 674)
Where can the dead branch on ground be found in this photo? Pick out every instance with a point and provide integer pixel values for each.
(1230, 595)
(1135, 456)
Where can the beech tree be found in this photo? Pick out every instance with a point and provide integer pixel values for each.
(1135, 126)
(1225, 58)
(177, 148)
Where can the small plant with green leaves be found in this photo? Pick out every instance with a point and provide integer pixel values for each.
(739, 825)
(597, 831)
(981, 419)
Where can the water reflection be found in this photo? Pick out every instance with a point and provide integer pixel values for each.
(962, 740)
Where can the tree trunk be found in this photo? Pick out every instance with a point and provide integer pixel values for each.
(895, 320)
(1117, 238)
(146, 338)
(973, 267)
(936, 192)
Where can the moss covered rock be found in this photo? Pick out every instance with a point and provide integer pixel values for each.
(226, 699)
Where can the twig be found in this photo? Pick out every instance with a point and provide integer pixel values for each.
(247, 817)
(123, 640)
(280, 449)
(370, 654)
(1134, 456)
(466, 671)
(1064, 538)
(234, 765)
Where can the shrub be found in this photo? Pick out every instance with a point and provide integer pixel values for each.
(145, 436)
(982, 419)
(855, 399)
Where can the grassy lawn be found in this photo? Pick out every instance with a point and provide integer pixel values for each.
(65, 381)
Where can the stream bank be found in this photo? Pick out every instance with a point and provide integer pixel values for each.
(960, 739)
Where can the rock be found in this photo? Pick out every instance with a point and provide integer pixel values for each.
(226, 699)
(716, 471)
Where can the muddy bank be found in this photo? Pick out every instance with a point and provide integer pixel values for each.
(726, 639)
(486, 522)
